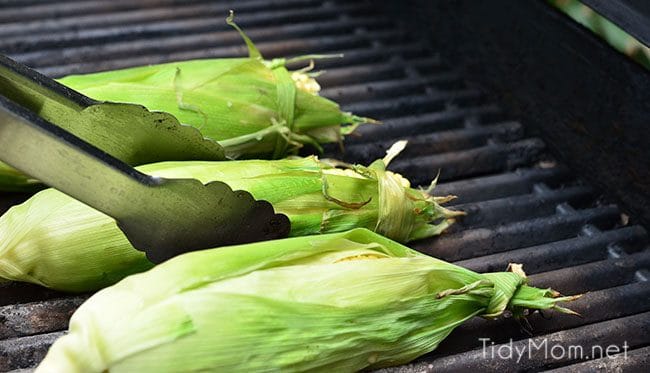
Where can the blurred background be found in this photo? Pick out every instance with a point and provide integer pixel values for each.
(604, 28)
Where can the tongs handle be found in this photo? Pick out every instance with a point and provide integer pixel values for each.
(65, 162)
(128, 132)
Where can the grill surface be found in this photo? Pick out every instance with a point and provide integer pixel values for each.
(523, 206)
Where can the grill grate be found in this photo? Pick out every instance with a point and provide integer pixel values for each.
(523, 207)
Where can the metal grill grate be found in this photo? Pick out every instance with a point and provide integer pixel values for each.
(523, 207)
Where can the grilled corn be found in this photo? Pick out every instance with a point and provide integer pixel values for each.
(58, 242)
(254, 108)
(331, 303)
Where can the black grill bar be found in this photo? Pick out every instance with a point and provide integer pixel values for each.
(138, 19)
(200, 32)
(395, 107)
(287, 47)
(352, 55)
(490, 158)
(349, 74)
(25, 352)
(523, 206)
(35, 318)
(19, 292)
(390, 88)
(594, 276)
(55, 9)
(631, 330)
(489, 240)
(437, 142)
(558, 254)
(514, 183)
(412, 125)
(149, 46)
(515, 208)
(633, 361)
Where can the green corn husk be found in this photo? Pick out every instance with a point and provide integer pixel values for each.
(253, 107)
(58, 242)
(331, 303)
(12, 180)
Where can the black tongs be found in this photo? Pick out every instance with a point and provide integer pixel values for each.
(84, 148)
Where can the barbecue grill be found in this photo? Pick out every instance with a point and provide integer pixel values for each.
(503, 150)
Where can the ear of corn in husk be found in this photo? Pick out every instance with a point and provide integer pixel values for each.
(58, 242)
(254, 108)
(251, 106)
(332, 303)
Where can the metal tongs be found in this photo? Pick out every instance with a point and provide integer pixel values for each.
(83, 148)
